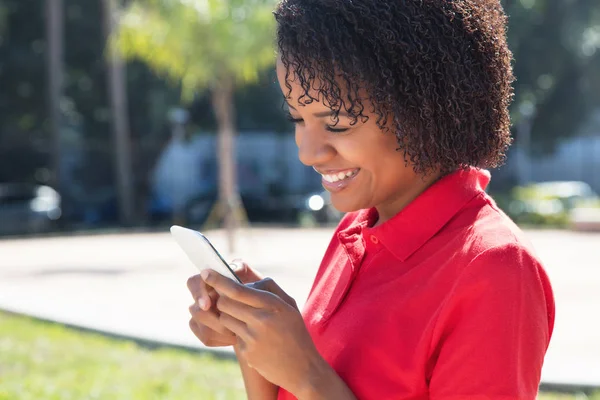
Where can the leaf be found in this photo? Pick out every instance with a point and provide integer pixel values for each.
(199, 42)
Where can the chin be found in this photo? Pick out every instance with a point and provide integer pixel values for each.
(347, 206)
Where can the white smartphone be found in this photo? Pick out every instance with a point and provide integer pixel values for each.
(201, 252)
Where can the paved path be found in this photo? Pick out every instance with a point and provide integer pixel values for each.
(134, 285)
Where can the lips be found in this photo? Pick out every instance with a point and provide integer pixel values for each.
(339, 176)
(336, 180)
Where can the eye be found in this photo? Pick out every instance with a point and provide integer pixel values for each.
(293, 120)
(336, 130)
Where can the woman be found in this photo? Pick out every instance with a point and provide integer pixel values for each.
(427, 290)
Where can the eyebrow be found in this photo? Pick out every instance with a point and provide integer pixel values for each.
(323, 114)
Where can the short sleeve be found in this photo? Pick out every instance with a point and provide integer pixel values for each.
(492, 334)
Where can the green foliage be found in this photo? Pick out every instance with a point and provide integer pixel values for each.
(50, 362)
(546, 204)
(568, 396)
(555, 43)
(3, 18)
(556, 46)
(200, 43)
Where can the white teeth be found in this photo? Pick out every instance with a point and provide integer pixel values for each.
(339, 176)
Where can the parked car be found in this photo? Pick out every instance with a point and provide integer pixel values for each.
(28, 208)
(259, 208)
(550, 202)
(312, 208)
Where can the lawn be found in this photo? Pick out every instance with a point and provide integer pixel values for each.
(44, 361)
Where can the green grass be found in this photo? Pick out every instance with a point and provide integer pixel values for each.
(45, 361)
(561, 396)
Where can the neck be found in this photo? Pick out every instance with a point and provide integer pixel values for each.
(389, 209)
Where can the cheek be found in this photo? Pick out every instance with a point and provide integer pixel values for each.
(389, 141)
(371, 150)
(381, 156)
(389, 169)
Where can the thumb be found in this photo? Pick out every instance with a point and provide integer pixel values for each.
(246, 273)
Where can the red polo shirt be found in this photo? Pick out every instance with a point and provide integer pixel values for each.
(446, 300)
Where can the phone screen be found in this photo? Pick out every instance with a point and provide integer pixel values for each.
(201, 252)
(220, 257)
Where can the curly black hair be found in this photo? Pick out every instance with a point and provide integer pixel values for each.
(437, 72)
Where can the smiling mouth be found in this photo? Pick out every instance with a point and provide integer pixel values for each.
(339, 176)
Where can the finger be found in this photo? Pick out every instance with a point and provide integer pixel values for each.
(213, 296)
(238, 266)
(210, 337)
(200, 291)
(237, 310)
(210, 319)
(269, 285)
(243, 294)
(244, 272)
(239, 328)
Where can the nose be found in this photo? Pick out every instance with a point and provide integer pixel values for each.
(313, 147)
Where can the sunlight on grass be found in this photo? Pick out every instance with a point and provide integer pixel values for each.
(561, 396)
(47, 361)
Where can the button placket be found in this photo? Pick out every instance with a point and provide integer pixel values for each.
(353, 246)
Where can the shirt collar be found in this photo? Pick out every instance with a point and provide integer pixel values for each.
(425, 216)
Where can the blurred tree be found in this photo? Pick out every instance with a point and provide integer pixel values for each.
(556, 47)
(212, 45)
(22, 108)
(55, 64)
(3, 17)
(117, 90)
(557, 63)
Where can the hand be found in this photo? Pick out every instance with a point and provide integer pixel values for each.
(271, 335)
(205, 316)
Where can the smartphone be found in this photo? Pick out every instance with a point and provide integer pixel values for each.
(201, 252)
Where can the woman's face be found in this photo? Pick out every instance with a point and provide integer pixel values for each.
(358, 163)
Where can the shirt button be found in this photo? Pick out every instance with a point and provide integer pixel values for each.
(374, 239)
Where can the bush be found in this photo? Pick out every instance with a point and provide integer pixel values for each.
(546, 204)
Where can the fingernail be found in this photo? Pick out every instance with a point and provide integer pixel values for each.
(205, 274)
(202, 303)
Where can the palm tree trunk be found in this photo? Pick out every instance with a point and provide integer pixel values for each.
(118, 99)
(55, 40)
(229, 205)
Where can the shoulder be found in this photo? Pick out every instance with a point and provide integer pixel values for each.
(500, 257)
(500, 276)
(489, 234)
(499, 307)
